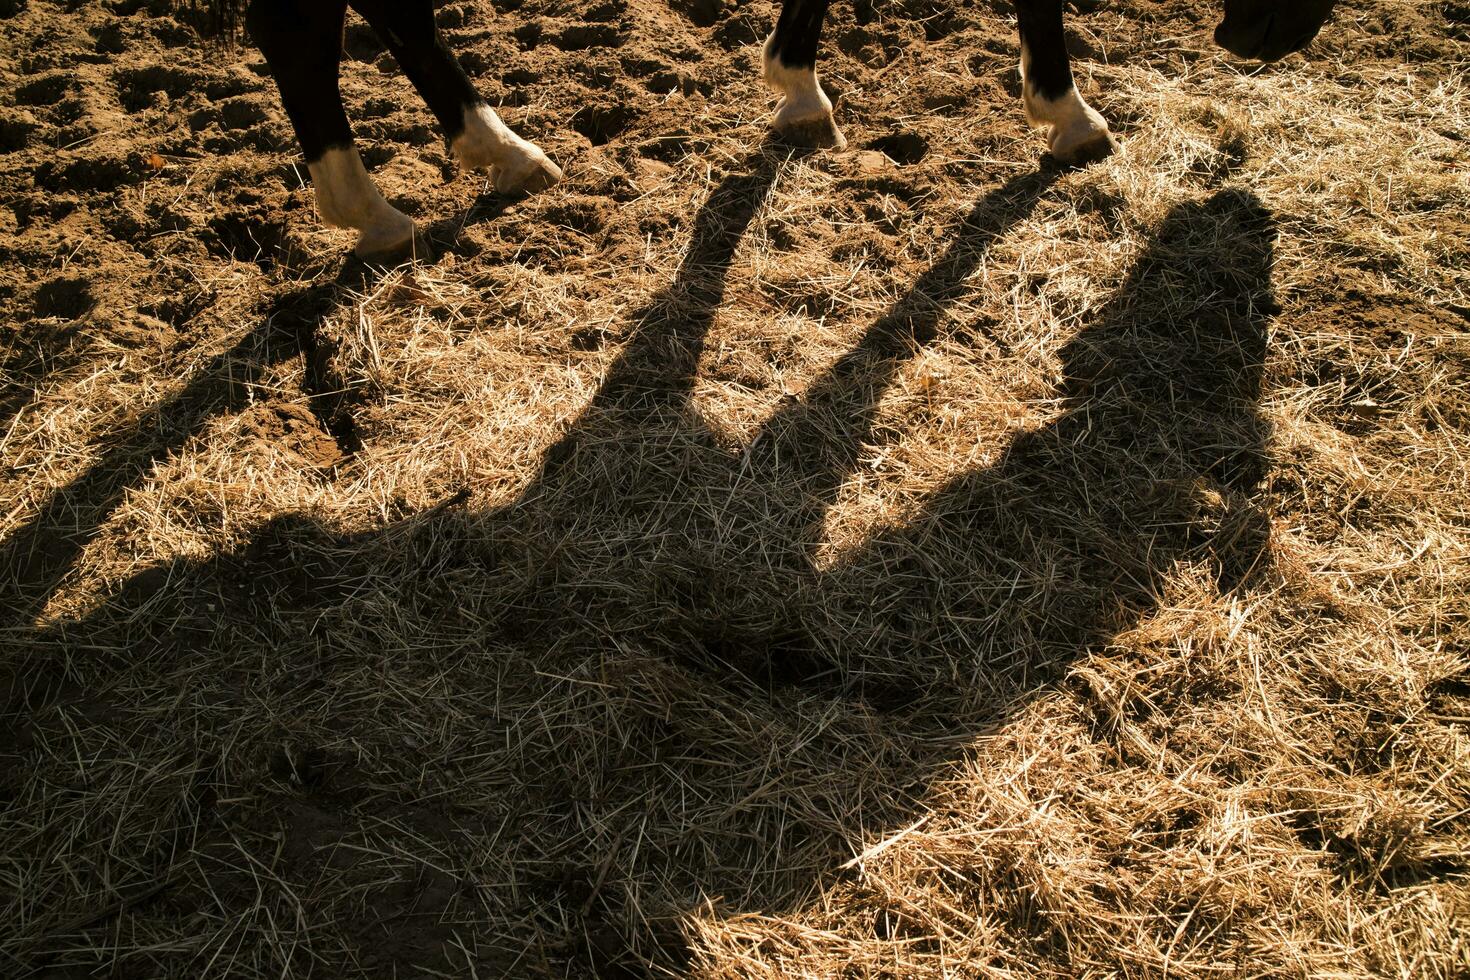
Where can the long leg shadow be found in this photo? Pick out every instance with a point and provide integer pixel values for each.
(811, 444)
(1157, 457)
(37, 556)
(635, 438)
(814, 440)
(654, 373)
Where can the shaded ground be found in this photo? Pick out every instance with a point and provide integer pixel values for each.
(737, 561)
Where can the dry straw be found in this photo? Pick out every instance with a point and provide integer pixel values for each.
(739, 562)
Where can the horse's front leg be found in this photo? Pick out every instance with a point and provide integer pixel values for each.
(1076, 133)
(302, 43)
(804, 116)
(475, 134)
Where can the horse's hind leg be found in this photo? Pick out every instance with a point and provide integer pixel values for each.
(1075, 131)
(804, 116)
(302, 43)
(473, 131)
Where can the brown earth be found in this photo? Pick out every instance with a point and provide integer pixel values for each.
(739, 561)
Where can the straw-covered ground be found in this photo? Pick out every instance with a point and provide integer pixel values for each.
(914, 561)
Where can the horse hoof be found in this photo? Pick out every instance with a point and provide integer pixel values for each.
(1095, 148)
(540, 174)
(817, 132)
(391, 253)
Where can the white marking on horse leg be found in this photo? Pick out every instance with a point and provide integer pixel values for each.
(515, 164)
(347, 198)
(1077, 132)
(804, 114)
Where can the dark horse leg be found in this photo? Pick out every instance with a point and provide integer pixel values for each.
(302, 42)
(475, 134)
(1076, 133)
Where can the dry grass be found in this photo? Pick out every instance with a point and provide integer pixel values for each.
(742, 562)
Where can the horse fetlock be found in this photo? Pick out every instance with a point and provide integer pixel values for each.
(516, 165)
(804, 114)
(1076, 132)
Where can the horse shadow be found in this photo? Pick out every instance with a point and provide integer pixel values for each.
(747, 712)
(36, 557)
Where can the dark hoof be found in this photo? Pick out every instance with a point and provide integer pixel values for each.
(416, 249)
(1092, 151)
(819, 133)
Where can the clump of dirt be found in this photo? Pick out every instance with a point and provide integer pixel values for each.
(292, 427)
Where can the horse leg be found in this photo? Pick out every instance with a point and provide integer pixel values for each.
(475, 134)
(302, 43)
(1076, 133)
(804, 115)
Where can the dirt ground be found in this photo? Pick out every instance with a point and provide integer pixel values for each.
(739, 561)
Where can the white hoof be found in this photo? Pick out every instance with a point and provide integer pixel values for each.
(347, 198)
(516, 165)
(819, 131)
(1079, 145)
(804, 115)
(535, 173)
(1076, 132)
(389, 243)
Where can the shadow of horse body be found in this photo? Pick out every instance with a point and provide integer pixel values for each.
(651, 697)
